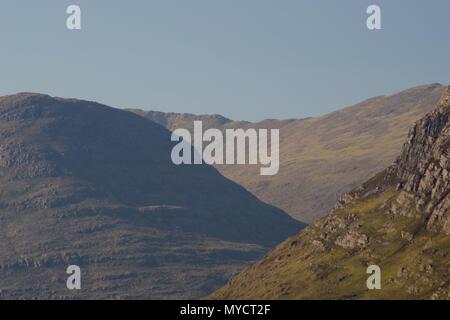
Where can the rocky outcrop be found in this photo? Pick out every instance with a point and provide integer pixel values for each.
(423, 166)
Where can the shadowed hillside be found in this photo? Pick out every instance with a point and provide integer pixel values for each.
(86, 184)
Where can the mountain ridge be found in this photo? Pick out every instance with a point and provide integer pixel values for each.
(399, 220)
(324, 157)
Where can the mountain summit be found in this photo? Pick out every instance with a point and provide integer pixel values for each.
(399, 220)
(89, 185)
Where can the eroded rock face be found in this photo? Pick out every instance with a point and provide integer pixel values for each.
(424, 165)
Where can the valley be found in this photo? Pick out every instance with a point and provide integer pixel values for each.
(322, 158)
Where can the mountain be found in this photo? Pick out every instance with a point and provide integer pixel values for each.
(89, 185)
(399, 220)
(322, 158)
(172, 120)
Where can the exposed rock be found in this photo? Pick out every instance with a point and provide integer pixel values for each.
(351, 240)
(318, 244)
(424, 167)
(406, 235)
(403, 272)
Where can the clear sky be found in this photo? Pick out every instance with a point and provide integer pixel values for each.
(245, 59)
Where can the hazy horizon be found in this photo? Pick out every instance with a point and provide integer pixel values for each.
(219, 114)
(250, 60)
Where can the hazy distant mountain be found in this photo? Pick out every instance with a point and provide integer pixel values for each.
(398, 220)
(173, 120)
(323, 157)
(85, 184)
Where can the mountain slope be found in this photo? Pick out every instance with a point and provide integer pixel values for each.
(398, 220)
(86, 184)
(322, 158)
(172, 120)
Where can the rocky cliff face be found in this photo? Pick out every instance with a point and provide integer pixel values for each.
(398, 220)
(424, 165)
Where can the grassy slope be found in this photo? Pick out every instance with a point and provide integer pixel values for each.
(307, 267)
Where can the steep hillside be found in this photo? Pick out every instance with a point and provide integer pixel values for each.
(86, 184)
(322, 158)
(398, 220)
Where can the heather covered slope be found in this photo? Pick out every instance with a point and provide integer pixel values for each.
(398, 220)
(86, 184)
(324, 157)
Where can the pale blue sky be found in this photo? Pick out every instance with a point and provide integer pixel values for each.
(245, 59)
